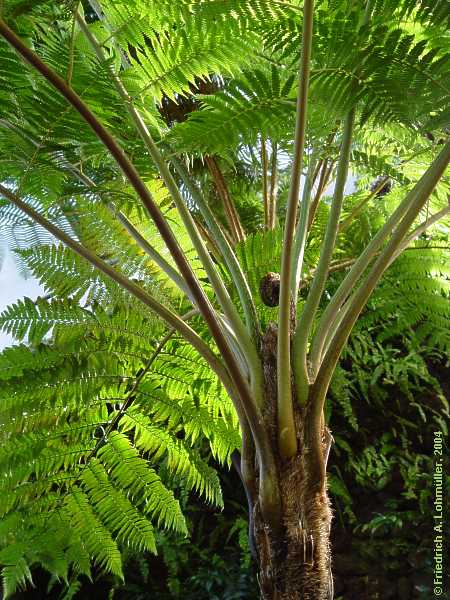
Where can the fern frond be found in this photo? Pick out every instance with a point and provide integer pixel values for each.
(33, 319)
(16, 572)
(171, 65)
(131, 472)
(93, 533)
(181, 461)
(116, 511)
(254, 104)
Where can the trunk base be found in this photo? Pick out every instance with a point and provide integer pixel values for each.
(295, 561)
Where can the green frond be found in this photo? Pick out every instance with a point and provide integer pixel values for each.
(148, 230)
(415, 291)
(15, 572)
(252, 13)
(131, 472)
(49, 549)
(118, 514)
(247, 107)
(17, 360)
(424, 11)
(20, 233)
(374, 67)
(177, 60)
(94, 535)
(32, 320)
(62, 272)
(376, 164)
(72, 590)
(181, 461)
(45, 455)
(340, 388)
(53, 428)
(196, 416)
(134, 22)
(181, 391)
(258, 255)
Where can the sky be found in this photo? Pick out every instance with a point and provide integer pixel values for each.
(12, 287)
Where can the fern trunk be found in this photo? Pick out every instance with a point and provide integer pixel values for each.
(294, 561)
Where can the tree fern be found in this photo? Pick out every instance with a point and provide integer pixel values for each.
(109, 411)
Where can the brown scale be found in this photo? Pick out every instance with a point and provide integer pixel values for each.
(269, 289)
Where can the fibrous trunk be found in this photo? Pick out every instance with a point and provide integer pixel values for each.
(294, 562)
(294, 558)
